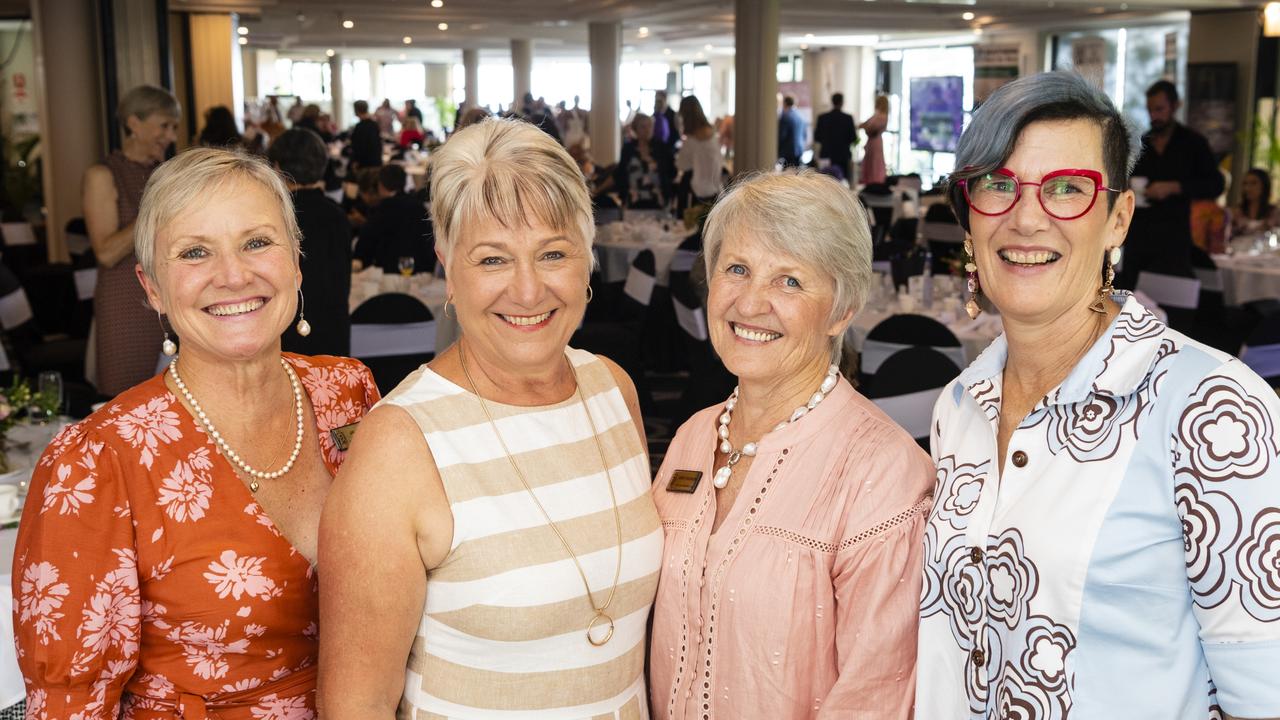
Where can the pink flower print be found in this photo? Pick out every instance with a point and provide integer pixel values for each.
(146, 426)
(67, 437)
(153, 614)
(256, 511)
(36, 700)
(322, 385)
(273, 707)
(157, 685)
(68, 494)
(111, 619)
(240, 685)
(236, 576)
(254, 630)
(40, 597)
(205, 648)
(184, 493)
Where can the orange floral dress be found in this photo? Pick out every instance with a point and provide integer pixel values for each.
(148, 582)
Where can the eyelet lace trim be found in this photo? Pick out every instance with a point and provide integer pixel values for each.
(827, 547)
(680, 524)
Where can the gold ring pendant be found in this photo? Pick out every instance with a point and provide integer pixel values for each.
(591, 626)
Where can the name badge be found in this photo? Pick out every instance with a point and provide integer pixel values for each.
(684, 481)
(342, 435)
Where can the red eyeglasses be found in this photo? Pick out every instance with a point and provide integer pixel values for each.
(1064, 194)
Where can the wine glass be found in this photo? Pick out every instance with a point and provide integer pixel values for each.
(49, 386)
(406, 265)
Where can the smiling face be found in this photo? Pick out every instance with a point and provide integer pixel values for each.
(1032, 266)
(154, 135)
(226, 274)
(520, 293)
(769, 315)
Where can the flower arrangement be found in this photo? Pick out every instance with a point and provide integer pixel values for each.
(19, 401)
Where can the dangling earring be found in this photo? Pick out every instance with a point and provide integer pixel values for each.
(448, 300)
(590, 293)
(303, 327)
(971, 306)
(168, 347)
(1109, 261)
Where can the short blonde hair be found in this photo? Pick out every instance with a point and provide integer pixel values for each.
(511, 172)
(805, 215)
(144, 101)
(193, 174)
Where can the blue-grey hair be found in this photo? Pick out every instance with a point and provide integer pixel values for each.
(993, 133)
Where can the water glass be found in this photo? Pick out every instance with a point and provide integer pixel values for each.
(406, 265)
(49, 385)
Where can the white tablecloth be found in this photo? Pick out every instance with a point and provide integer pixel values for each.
(430, 290)
(617, 245)
(1249, 277)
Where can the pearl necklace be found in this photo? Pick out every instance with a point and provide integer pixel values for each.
(226, 450)
(722, 476)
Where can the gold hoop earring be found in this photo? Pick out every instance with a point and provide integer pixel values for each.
(590, 293)
(447, 301)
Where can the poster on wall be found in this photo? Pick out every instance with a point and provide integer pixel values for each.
(1211, 104)
(937, 112)
(993, 66)
(1089, 58)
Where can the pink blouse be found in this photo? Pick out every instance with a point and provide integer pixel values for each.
(804, 603)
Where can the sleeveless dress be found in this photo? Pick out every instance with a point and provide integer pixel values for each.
(127, 333)
(503, 632)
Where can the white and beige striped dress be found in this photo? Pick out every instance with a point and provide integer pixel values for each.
(503, 632)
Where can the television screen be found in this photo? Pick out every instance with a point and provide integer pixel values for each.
(937, 113)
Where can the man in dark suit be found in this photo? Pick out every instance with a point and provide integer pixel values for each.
(399, 227)
(366, 139)
(791, 133)
(835, 133)
(301, 157)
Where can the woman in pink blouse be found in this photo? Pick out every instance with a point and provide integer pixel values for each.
(794, 512)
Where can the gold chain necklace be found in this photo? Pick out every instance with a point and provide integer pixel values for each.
(600, 616)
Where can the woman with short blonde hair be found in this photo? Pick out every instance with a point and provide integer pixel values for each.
(493, 547)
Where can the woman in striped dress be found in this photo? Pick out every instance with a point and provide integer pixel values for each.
(491, 549)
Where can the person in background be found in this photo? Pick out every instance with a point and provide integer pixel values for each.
(411, 134)
(873, 170)
(835, 135)
(165, 563)
(699, 155)
(471, 117)
(574, 124)
(385, 116)
(791, 133)
(1255, 213)
(411, 111)
(364, 203)
(1176, 166)
(366, 139)
(271, 111)
(295, 111)
(666, 128)
(127, 334)
(645, 170)
(220, 128)
(301, 157)
(399, 227)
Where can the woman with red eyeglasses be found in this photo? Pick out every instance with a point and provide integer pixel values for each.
(1105, 534)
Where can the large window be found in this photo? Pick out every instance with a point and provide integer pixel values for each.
(900, 158)
(355, 83)
(307, 79)
(637, 84)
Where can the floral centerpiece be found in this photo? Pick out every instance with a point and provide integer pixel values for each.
(18, 402)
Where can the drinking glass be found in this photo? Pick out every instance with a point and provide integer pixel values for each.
(49, 384)
(406, 265)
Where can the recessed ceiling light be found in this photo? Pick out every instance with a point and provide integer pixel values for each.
(244, 41)
(966, 16)
(348, 24)
(242, 30)
(443, 26)
(407, 40)
(708, 47)
(643, 32)
(437, 3)
(329, 53)
(808, 36)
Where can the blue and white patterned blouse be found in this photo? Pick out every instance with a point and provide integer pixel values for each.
(1126, 564)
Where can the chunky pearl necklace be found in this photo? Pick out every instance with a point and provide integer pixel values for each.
(226, 450)
(749, 450)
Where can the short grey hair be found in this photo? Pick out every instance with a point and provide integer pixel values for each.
(805, 215)
(993, 133)
(194, 174)
(144, 101)
(511, 172)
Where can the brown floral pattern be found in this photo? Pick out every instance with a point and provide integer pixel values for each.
(1225, 432)
(1258, 561)
(1210, 527)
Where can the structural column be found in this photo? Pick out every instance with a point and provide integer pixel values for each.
(755, 126)
(67, 83)
(471, 75)
(604, 40)
(335, 93)
(521, 69)
(216, 77)
(376, 93)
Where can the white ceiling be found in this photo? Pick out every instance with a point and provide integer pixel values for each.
(685, 27)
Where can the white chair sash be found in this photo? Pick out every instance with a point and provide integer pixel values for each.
(86, 283)
(882, 266)
(693, 320)
(639, 286)
(682, 260)
(1210, 279)
(371, 340)
(1262, 359)
(334, 194)
(14, 309)
(875, 352)
(943, 232)
(1171, 290)
(913, 411)
(18, 233)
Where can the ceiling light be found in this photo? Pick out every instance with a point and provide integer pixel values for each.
(808, 36)
(1271, 19)
(708, 47)
(403, 56)
(242, 30)
(804, 46)
(666, 51)
(437, 3)
(244, 41)
(443, 26)
(407, 40)
(643, 32)
(966, 16)
(698, 56)
(348, 24)
(329, 53)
